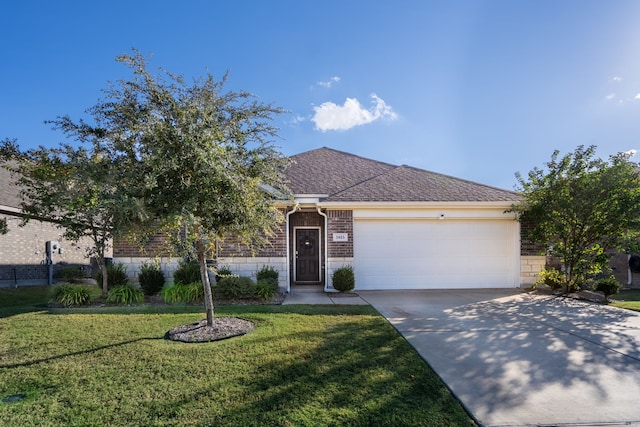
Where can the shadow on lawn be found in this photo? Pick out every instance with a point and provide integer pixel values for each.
(75, 353)
(371, 377)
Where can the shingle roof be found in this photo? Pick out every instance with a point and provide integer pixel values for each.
(328, 171)
(344, 177)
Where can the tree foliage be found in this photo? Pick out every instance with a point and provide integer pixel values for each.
(199, 160)
(76, 188)
(580, 207)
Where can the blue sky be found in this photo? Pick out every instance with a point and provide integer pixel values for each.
(475, 89)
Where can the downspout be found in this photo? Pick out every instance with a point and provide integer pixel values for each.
(326, 249)
(295, 208)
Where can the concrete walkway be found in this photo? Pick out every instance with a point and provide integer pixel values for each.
(519, 359)
(307, 294)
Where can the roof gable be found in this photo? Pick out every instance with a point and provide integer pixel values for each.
(344, 177)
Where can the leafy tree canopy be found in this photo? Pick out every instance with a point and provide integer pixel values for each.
(580, 207)
(198, 160)
(75, 188)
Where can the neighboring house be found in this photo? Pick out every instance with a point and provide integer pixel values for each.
(399, 227)
(22, 249)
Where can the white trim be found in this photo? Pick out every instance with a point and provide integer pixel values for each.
(287, 234)
(295, 248)
(326, 246)
(418, 205)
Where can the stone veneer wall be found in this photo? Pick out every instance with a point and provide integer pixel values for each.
(167, 264)
(249, 266)
(532, 257)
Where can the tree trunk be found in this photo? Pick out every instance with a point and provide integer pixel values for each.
(204, 276)
(105, 277)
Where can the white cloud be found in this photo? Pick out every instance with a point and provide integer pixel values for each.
(333, 80)
(617, 79)
(610, 96)
(637, 96)
(330, 116)
(630, 153)
(297, 119)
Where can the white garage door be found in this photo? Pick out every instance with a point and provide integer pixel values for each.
(436, 254)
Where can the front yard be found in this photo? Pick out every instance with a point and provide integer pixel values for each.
(628, 298)
(301, 366)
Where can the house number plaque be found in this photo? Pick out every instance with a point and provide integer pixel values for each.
(340, 237)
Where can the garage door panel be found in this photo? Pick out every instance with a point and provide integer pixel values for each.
(433, 254)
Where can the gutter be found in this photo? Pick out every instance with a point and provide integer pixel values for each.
(326, 250)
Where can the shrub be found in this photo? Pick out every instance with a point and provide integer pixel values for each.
(265, 290)
(151, 279)
(551, 277)
(181, 293)
(69, 273)
(236, 287)
(116, 276)
(222, 272)
(609, 285)
(125, 294)
(267, 273)
(187, 272)
(69, 295)
(344, 279)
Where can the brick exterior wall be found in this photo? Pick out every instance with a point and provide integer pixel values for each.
(158, 245)
(340, 222)
(231, 246)
(527, 246)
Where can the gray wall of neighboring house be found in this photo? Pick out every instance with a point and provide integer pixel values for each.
(22, 252)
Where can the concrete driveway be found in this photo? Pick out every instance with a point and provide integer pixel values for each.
(521, 359)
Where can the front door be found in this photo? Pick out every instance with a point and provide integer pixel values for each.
(307, 252)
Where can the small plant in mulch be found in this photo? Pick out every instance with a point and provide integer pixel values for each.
(69, 295)
(151, 279)
(344, 279)
(125, 294)
(609, 286)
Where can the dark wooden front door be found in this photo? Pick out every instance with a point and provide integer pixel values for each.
(307, 251)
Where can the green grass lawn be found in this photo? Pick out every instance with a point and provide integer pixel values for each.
(628, 298)
(301, 366)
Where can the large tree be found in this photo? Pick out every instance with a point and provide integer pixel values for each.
(580, 207)
(199, 160)
(77, 189)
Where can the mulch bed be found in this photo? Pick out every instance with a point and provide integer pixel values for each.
(222, 328)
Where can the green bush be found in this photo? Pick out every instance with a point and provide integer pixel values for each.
(222, 272)
(125, 294)
(267, 273)
(69, 273)
(236, 287)
(180, 293)
(609, 285)
(344, 279)
(551, 277)
(151, 279)
(69, 295)
(187, 272)
(265, 289)
(116, 276)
